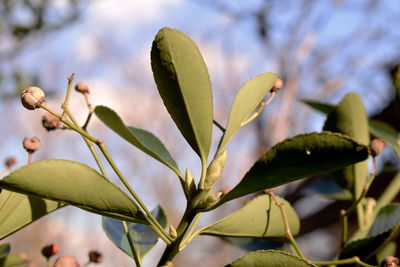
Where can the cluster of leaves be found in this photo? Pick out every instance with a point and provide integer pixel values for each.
(184, 85)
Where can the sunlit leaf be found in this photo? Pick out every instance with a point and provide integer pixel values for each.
(144, 140)
(349, 118)
(184, 85)
(322, 107)
(259, 218)
(18, 210)
(142, 235)
(72, 183)
(269, 258)
(299, 157)
(246, 100)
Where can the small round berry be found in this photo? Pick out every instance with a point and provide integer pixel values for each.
(50, 250)
(377, 146)
(277, 85)
(66, 261)
(390, 261)
(32, 97)
(95, 256)
(10, 162)
(31, 144)
(82, 88)
(50, 122)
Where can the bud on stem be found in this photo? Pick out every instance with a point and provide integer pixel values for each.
(214, 170)
(32, 97)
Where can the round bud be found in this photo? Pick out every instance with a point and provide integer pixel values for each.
(50, 122)
(10, 162)
(32, 97)
(390, 261)
(66, 261)
(277, 85)
(31, 144)
(377, 146)
(95, 256)
(82, 88)
(50, 250)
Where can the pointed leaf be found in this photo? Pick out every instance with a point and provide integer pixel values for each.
(264, 217)
(322, 107)
(349, 117)
(385, 132)
(184, 85)
(18, 210)
(246, 100)
(269, 258)
(144, 140)
(72, 183)
(296, 158)
(142, 235)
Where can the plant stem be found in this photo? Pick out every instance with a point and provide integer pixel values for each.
(343, 217)
(260, 107)
(135, 253)
(289, 235)
(219, 126)
(341, 262)
(30, 157)
(164, 235)
(68, 94)
(189, 235)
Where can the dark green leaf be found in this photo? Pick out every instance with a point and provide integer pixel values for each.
(264, 217)
(246, 100)
(144, 140)
(269, 258)
(142, 235)
(253, 244)
(72, 183)
(184, 85)
(387, 218)
(349, 118)
(12, 260)
(18, 210)
(328, 188)
(322, 107)
(299, 157)
(385, 132)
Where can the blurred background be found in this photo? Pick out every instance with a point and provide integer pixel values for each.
(321, 49)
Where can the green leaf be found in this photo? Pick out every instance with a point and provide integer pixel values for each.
(253, 244)
(5, 250)
(142, 235)
(269, 258)
(73, 183)
(184, 85)
(299, 157)
(144, 140)
(349, 118)
(12, 260)
(385, 132)
(18, 210)
(264, 217)
(246, 100)
(387, 218)
(322, 107)
(328, 188)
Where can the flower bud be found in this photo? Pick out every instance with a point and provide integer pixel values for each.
(277, 85)
(190, 186)
(66, 261)
(209, 200)
(214, 170)
(50, 250)
(50, 122)
(10, 162)
(32, 97)
(31, 144)
(172, 231)
(377, 146)
(95, 256)
(390, 261)
(82, 88)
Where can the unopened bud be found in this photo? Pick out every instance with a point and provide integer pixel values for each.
(50, 250)
(66, 261)
(50, 122)
(390, 261)
(95, 256)
(172, 231)
(31, 144)
(377, 146)
(277, 85)
(209, 200)
(32, 97)
(214, 170)
(190, 186)
(10, 162)
(82, 88)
